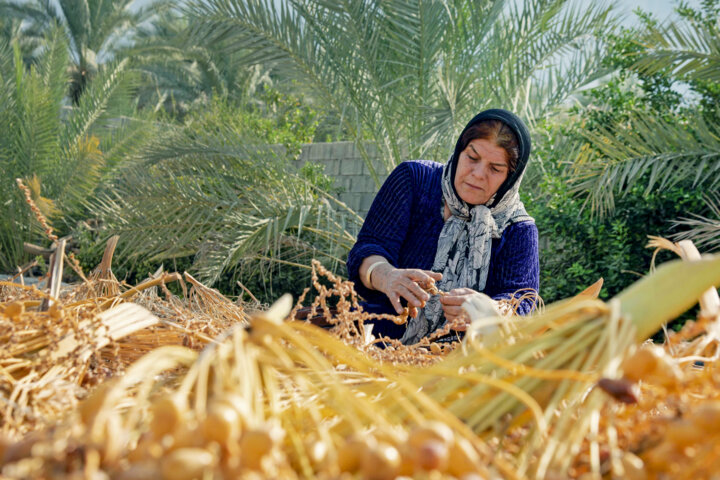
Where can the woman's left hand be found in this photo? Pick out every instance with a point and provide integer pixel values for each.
(452, 304)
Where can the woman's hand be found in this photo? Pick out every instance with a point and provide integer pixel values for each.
(453, 301)
(408, 283)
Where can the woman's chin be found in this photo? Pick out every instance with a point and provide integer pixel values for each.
(471, 195)
(475, 199)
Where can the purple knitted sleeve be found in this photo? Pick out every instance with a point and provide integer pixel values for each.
(385, 226)
(515, 264)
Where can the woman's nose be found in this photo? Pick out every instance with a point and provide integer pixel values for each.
(479, 171)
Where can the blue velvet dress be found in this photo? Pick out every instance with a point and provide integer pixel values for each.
(404, 224)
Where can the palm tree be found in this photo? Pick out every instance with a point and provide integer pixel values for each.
(11, 31)
(181, 73)
(407, 74)
(95, 29)
(404, 74)
(63, 150)
(217, 195)
(658, 151)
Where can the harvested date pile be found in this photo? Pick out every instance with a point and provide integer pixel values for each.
(258, 403)
(569, 392)
(669, 426)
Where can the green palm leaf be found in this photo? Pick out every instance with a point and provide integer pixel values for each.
(658, 152)
(704, 231)
(688, 50)
(34, 124)
(223, 199)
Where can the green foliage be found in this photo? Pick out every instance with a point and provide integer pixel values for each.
(215, 196)
(96, 30)
(626, 164)
(11, 31)
(62, 151)
(314, 173)
(640, 130)
(408, 74)
(581, 247)
(274, 118)
(182, 73)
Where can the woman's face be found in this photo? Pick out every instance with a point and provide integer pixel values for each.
(481, 169)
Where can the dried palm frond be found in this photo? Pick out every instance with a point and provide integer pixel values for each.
(89, 333)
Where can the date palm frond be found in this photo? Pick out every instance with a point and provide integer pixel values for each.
(704, 231)
(408, 74)
(653, 152)
(688, 50)
(223, 199)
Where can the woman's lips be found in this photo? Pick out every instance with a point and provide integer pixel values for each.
(473, 186)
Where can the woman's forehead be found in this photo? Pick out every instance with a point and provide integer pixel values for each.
(488, 150)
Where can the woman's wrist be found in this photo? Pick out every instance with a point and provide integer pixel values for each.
(369, 272)
(379, 274)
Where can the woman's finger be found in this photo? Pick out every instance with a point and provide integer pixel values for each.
(452, 311)
(453, 299)
(462, 291)
(415, 289)
(423, 276)
(434, 275)
(395, 300)
(409, 296)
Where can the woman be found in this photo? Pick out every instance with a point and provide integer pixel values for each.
(461, 226)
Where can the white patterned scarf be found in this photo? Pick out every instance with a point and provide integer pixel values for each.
(464, 246)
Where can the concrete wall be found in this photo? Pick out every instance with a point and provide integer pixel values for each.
(343, 161)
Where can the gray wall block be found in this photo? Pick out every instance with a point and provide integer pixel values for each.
(343, 162)
(351, 166)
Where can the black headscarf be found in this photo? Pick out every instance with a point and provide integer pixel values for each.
(523, 138)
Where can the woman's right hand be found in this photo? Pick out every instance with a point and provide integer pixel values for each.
(408, 283)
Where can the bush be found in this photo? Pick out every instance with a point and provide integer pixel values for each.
(578, 247)
(581, 245)
(225, 202)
